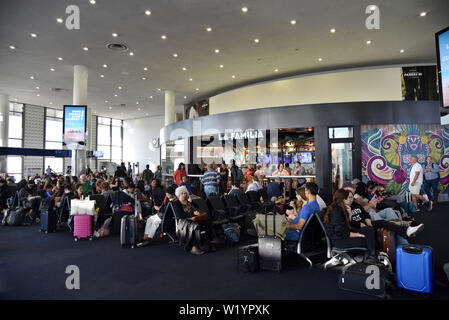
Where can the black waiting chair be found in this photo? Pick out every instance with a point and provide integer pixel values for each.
(169, 222)
(264, 194)
(245, 203)
(254, 198)
(234, 210)
(217, 210)
(104, 211)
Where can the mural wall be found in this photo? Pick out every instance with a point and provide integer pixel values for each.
(387, 149)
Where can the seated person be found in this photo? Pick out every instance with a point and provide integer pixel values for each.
(273, 190)
(361, 219)
(156, 193)
(191, 212)
(185, 182)
(235, 189)
(337, 223)
(255, 185)
(29, 201)
(154, 221)
(296, 205)
(144, 201)
(295, 226)
(4, 194)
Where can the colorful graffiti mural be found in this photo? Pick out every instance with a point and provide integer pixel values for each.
(387, 149)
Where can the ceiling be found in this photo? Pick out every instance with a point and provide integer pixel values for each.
(291, 49)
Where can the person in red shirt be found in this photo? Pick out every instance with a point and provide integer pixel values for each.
(179, 173)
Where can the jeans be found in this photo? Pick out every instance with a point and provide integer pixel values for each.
(385, 214)
(434, 185)
(208, 189)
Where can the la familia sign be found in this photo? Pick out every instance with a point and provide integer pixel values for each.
(239, 135)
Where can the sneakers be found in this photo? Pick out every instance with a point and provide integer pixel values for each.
(143, 243)
(196, 251)
(429, 206)
(413, 231)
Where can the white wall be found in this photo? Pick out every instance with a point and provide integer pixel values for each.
(137, 141)
(345, 86)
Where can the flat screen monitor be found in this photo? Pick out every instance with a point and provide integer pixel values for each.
(74, 127)
(442, 44)
(303, 157)
(287, 158)
(267, 159)
(98, 154)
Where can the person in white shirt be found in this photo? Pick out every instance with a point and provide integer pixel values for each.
(416, 180)
(255, 185)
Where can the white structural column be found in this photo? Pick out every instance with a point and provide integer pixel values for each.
(169, 107)
(80, 77)
(4, 127)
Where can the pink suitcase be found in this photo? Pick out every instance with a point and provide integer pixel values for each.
(82, 227)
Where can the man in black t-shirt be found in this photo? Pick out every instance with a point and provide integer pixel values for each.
(224, 174)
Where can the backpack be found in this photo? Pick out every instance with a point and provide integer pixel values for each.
(232, 233)
(239, 174)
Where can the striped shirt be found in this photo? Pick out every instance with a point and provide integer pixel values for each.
(210, 178)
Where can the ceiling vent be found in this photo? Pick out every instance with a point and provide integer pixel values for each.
(118, 47)
(57, 89)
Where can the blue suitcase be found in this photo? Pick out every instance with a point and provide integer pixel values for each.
(414, 268)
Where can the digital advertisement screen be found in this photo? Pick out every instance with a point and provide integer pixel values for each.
(267, 159)
(303, 157)
(287, 158)
(75, 124)
(442, 42)
(98, 154)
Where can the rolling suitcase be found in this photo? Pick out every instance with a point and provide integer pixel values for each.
(386, 241)
(414, 268)
(359, 278)
(270, 249)
(248, 259)
(48, 216)
(82, 227)
(128, 228)
(15, 217)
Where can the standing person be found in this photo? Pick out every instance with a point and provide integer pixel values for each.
(416, 180)
(121, 171)
(280, 172)
(236, 174)
(224, 174)
(88, 171)
(158, 173)
(432, 177)
(210, 180)
(185, 182)
(49, 171)
(299, 171)
(147, 175)
(130, 171)
(249, 170)
(179, 173)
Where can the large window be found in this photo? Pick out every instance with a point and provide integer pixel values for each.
(14, 165)
(53, 138)
(110, 139)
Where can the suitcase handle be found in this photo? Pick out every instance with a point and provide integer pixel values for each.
(412, 249)
(274, 224)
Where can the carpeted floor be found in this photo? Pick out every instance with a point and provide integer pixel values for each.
(32, 266)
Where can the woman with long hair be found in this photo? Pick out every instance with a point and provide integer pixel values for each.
(337, 221)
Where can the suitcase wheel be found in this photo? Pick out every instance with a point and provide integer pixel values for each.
(76, 239)
(90, 238)
(132, 246)
(46, 231)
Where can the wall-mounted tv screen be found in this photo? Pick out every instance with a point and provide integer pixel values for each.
(98, 154)
(74, 127)
(303, 157)
(267, 159)
(442, 44)
(287, 158)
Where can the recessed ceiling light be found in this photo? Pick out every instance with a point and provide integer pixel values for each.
(131, 53)
(37, 88)
(115, 35)
(333, 30)
(85, 48)
(145, 68)
(139, 109)
(34, 35)
(151, 97)
(38, 95)
(59, 20)
(293, 22)
(402, 51)
(256, 40)
(92, 1)
(175, 55)
(106, 101)
(190, 79)
(221, 66)
(244, 9)
(276, 70)
(110, 108)
(116, 95)
(32, 77)
(184, 68)
(185, 97)
(137, 102)
(163, 37)
(12, 47)
(208, 29)
(158, 89)
(52, 69)
(60, 58)
(101, 75)
(368, 42)
(50, 102)
(143, 78)
(197, 89)
(146, 114)
(105, 66)
(423, 14)
(320, 59)
(217, 50)
(233, 76)
(147, 12)
(119, 87)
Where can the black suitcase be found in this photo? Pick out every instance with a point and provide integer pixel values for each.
(248, 259)
(128, 228)
(270, 250)
(360, 278)
(49, 220)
